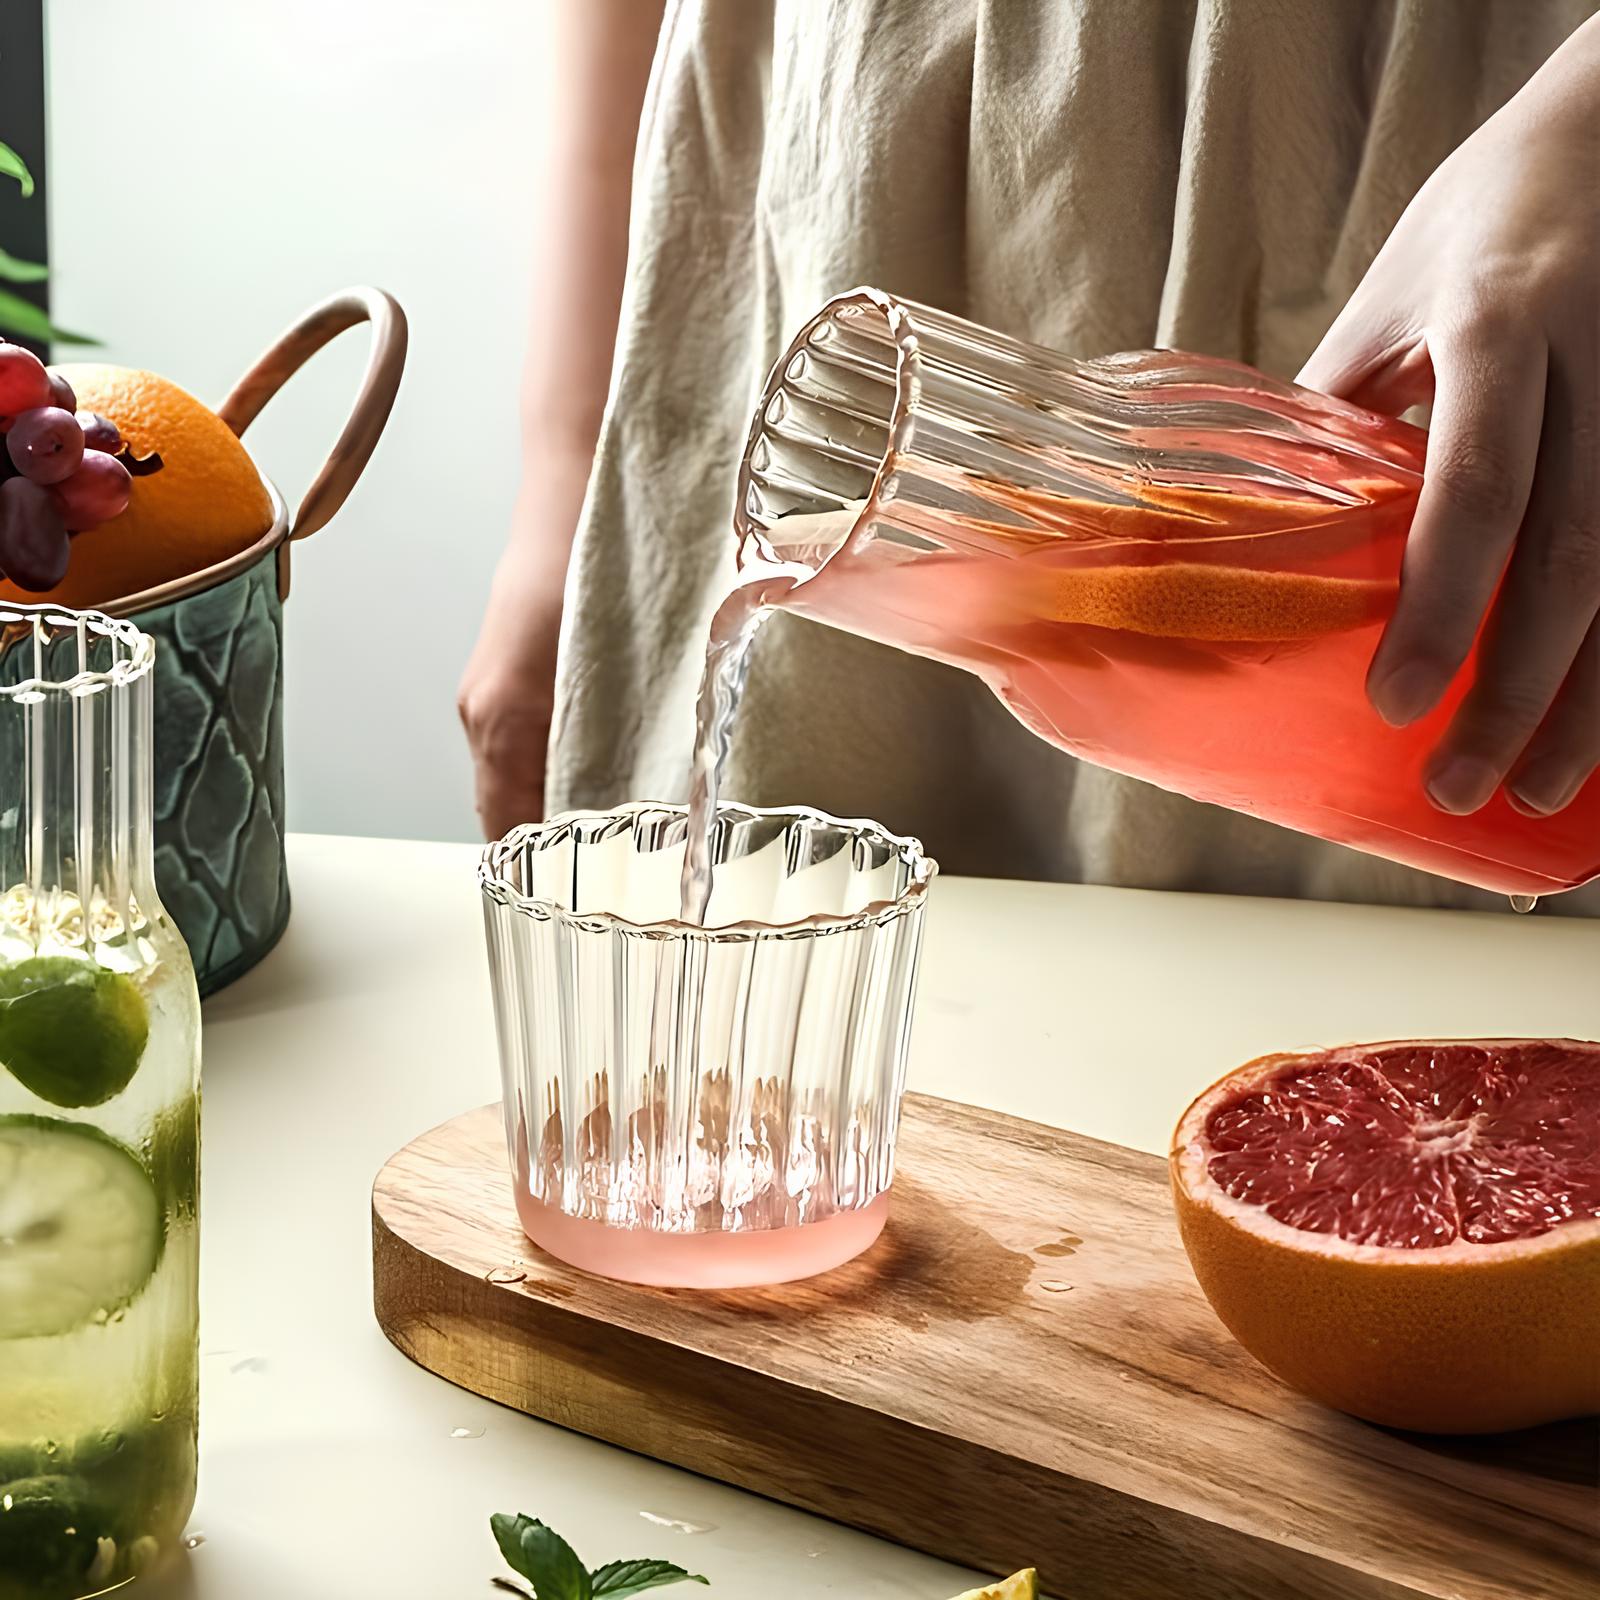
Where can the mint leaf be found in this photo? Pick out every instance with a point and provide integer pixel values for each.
(13, 166)
(507, 1531)
(542, 1556)
(15, 270)
(623, 1578)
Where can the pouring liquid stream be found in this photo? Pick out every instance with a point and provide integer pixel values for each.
(760, 588)
(733, 629)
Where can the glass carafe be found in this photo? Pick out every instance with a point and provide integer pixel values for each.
(99, 1124)
(1169, 565)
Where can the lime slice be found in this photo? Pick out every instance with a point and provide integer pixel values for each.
(80, 1226)
(1020, 1586)
(175, 1158)
(71, 1031)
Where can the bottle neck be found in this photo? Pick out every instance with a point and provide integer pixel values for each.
(76, 783)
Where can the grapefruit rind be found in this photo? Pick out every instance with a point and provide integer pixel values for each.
(1187, 600)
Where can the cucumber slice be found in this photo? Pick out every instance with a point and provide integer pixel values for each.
(80, 1225)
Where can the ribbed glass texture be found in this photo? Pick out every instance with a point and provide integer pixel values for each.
(736, 1077)
(75, 826)
(1166, 564)
(956, 437)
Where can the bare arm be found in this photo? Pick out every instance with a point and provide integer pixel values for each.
(599, 65)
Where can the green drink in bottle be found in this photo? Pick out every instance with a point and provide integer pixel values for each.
(99, 1124)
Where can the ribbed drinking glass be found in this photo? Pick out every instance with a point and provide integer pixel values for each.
(710, 1105)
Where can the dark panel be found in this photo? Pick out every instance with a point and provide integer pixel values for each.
(23, 226)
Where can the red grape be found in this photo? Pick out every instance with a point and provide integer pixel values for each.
(24, 383)
(99, 433)
(61, 392)
(34, 548)
(46, 444)
(95, 493)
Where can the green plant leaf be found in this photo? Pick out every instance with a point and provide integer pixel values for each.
(22, 316)
(16, 271)
(13, 166)
(542, 1556)
(623, 1578)
(507, 1531)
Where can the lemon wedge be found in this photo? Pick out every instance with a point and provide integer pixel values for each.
(1019, 1586)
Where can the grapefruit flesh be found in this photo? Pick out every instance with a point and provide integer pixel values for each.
(1409, 1231)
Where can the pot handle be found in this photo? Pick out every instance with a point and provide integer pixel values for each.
(354, 446)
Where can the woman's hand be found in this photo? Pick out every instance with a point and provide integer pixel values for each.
(507, 693)
(1486, 300)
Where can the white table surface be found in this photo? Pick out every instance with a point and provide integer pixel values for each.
(330, 1469)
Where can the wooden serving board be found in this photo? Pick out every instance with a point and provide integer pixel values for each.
(1021, 1371)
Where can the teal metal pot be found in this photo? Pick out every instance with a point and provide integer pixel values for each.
(219, 768)
(220, 818)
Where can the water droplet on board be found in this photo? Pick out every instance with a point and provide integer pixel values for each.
(678, 1523)
(1054, 1286)
(466, 1433)
(193, 1541)
(1524, 902)
(1066, 1245)
(504, 1275)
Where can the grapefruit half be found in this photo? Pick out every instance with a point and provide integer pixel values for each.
(1409, 1231)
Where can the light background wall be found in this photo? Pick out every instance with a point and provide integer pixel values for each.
(216, 168)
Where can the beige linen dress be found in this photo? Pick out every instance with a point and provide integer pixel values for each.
(1093, 175)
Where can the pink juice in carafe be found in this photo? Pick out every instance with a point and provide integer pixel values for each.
(1171, 566)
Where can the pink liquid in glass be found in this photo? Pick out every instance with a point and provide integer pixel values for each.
(1219, 649)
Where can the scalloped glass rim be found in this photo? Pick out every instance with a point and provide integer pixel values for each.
(921, 867)
(899, 424)
(138, 663)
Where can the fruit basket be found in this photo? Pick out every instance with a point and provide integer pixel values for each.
(219, 801)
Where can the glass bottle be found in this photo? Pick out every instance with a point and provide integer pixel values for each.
(99, 1124)
(1170, 565)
